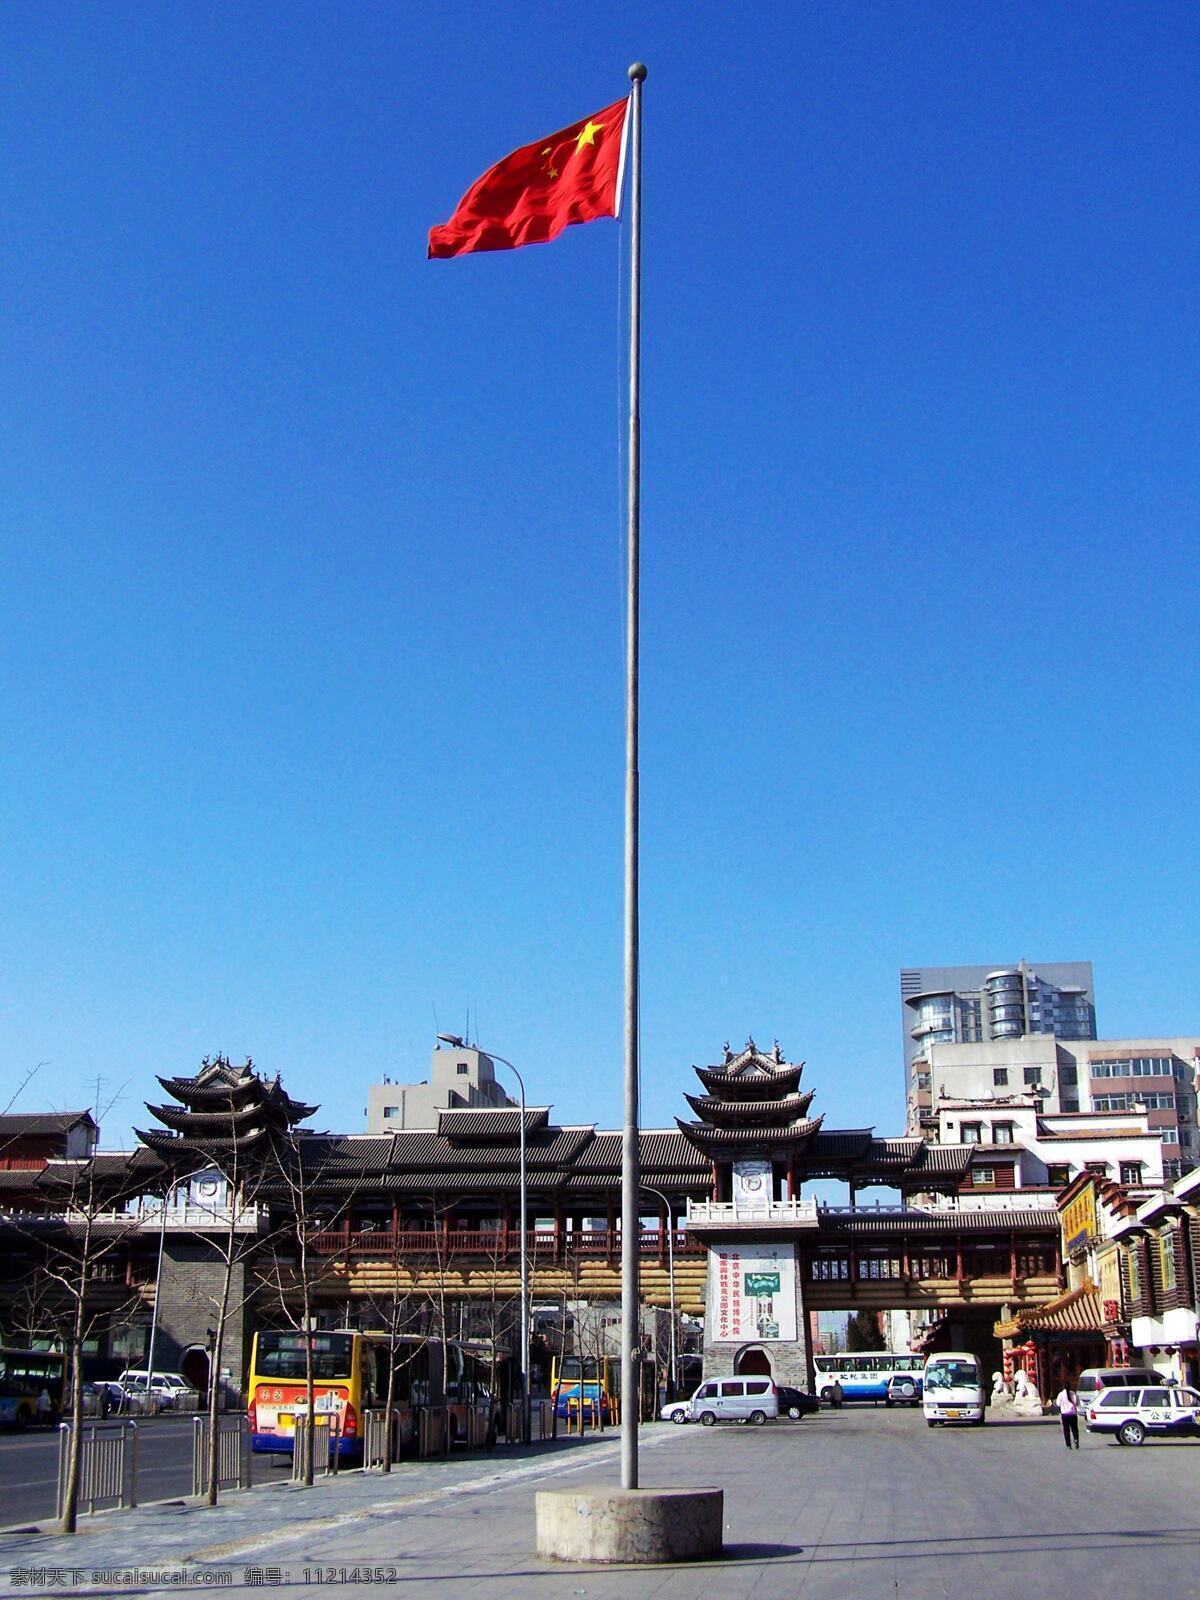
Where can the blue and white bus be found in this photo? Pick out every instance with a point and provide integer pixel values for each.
(865, 1374)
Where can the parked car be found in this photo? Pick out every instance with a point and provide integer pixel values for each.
(170, 1390)
(796, 1403)
(735, 1400)
(1092, 1379)
(97, 1400)
(676, 1411)
(1131, 1414)
(903, 1390)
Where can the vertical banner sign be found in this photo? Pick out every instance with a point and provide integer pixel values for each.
(1079, 1220)
(752, 1289)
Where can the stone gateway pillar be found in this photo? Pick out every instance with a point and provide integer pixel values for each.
(754, 1314)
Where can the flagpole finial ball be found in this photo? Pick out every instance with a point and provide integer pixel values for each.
(637, 73)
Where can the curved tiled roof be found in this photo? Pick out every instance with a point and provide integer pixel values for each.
(488, 1124)
(713, 1108)
(13, 1124)
(789, 1136)
(749, 1085)
(891, 1223)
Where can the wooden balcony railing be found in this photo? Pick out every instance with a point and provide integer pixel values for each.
(430, 1246)
(932, 1265)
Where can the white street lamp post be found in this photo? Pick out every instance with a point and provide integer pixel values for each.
(671, 1274)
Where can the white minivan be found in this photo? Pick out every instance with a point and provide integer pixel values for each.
(953, 1390)
(735, 1400)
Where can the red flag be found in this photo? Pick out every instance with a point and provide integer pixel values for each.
(532, 195)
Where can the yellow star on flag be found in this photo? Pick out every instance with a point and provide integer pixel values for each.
(587, 134)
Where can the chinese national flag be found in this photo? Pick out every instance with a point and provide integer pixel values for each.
(532, 195)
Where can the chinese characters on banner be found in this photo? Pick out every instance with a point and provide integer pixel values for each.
(752, 1290)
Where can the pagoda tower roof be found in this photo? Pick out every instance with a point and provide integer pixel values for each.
(752, 1105)
(765, 1139)
(754, 1108)
(751, 1074)
(719, 1112)
(223, 1115)
(220, 1084)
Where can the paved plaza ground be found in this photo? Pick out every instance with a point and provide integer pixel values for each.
(857, 1503)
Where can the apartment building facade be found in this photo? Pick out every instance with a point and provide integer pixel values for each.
(1025, 1156)
(1157, 1076)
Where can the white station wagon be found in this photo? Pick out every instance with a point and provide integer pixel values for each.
(1131, 1414)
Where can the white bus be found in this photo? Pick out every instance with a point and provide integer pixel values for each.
(865, 1374)
(954, 1389)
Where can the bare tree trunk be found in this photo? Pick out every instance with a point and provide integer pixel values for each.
(391, 1391)
(70, 1511)
(310, 1391)
(214, 1373)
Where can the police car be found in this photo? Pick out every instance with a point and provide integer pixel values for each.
(1131, 1414)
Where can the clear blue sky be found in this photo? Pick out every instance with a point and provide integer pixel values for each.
(310, 622)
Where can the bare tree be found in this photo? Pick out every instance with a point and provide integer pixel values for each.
(316, 1195)
(78, 1243)
(431, 1286)
(393, 1312)
(233, 1240)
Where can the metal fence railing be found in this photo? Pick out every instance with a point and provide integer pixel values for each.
(375, 1436)
(107, 1465)
(476, 1428)
(541, 1421)
(433, 1431)
(327, 1438)
(233, 1453)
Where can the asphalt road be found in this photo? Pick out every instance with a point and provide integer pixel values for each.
(848, 1505)
(29, 1467)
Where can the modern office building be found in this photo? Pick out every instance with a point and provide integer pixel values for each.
(978, 1005)
(460, 1078)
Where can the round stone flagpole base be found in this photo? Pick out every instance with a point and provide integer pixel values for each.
(629, 1525)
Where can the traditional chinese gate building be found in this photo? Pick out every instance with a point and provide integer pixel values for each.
(432, 1216)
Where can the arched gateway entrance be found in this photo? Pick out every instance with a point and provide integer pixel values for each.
(195, 1367)
(753, 1361)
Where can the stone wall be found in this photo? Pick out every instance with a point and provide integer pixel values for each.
(189, 1292)
(790, 1359)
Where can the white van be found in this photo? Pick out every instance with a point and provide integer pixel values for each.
(735, 1400)
(952, 1390)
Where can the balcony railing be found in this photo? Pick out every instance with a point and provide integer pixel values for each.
(192, 1219)
(432, 1246)
(751, 1214)
(932, 1265)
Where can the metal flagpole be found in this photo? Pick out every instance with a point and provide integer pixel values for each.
(630, 1154)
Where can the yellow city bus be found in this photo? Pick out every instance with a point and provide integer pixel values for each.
(343, 1386)
(25, 1376)
(350, 1375)
(593, 1382)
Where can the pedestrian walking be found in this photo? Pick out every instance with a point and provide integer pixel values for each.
(1067, 1402)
